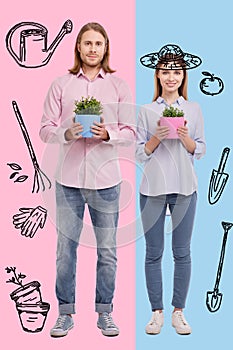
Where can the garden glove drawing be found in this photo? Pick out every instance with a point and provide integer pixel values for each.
(29, 220)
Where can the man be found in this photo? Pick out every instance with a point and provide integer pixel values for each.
(88, 171)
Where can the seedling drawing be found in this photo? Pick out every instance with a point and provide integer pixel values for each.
(16, 278)
(33, 49)
(31, 309)
(40, 178)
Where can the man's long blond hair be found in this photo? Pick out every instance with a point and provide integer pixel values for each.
(77, 59)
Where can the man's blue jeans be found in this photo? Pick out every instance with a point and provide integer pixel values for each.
(153, 212)
(103, 206)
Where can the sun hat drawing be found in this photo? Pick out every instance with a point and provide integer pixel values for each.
(170, 56)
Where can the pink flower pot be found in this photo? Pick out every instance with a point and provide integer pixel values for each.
(173, 123)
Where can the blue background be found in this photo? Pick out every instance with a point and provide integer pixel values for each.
(203, 28)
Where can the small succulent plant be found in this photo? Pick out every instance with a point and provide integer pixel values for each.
(88, 105)
(172, 112)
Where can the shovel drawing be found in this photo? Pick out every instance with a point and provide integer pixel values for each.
(218, 179)
(214, 298)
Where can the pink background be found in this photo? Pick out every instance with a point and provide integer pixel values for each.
(36, 257)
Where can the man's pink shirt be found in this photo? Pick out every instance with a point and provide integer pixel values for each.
(88, 163)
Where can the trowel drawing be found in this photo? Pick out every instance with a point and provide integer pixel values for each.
(214, 298)
(218, 179)
(30, 40)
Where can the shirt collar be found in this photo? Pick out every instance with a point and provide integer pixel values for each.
(101, 73)
(179, 101)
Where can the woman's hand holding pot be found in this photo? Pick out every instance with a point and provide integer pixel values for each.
(161, 133)
(188, 143)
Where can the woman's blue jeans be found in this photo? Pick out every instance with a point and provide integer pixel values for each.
(153, 212)
(103, 206)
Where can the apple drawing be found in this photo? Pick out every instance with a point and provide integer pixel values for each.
(211, 85)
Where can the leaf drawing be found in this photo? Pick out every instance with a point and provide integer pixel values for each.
(21, 178)
(13, 174)
(14, 166)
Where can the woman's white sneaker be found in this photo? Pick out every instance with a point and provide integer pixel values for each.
(180, 324)
(155, 324)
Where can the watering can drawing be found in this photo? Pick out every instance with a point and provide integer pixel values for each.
(33, 50)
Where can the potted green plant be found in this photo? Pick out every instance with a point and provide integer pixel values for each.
(87, 111)
(173, 118)
(31, 309)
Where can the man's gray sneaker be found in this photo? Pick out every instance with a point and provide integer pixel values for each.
(63, 325)
(106, 324)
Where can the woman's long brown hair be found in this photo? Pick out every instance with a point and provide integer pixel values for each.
(183, 89)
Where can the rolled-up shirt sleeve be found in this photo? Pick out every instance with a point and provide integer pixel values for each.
(199, 136)
(142, 138)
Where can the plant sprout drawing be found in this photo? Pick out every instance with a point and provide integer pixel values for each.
(40, 180)
(31, 309)
(16, 170)
(16, 278)
(33, 50)
(211, 85)
(29, 220)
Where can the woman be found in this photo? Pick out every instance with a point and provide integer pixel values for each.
(169, 180)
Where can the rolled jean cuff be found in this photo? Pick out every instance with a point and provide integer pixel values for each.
(66, 309)
(178, 305)
(103, 308)
(157, 307)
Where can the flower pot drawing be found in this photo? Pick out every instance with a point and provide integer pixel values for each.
(173, 123)
(27, 294)
(87, 120)
(33, 316)
(31, 309)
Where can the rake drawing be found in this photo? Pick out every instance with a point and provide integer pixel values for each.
(40, 178)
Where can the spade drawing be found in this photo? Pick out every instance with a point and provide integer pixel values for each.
(214, 298)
